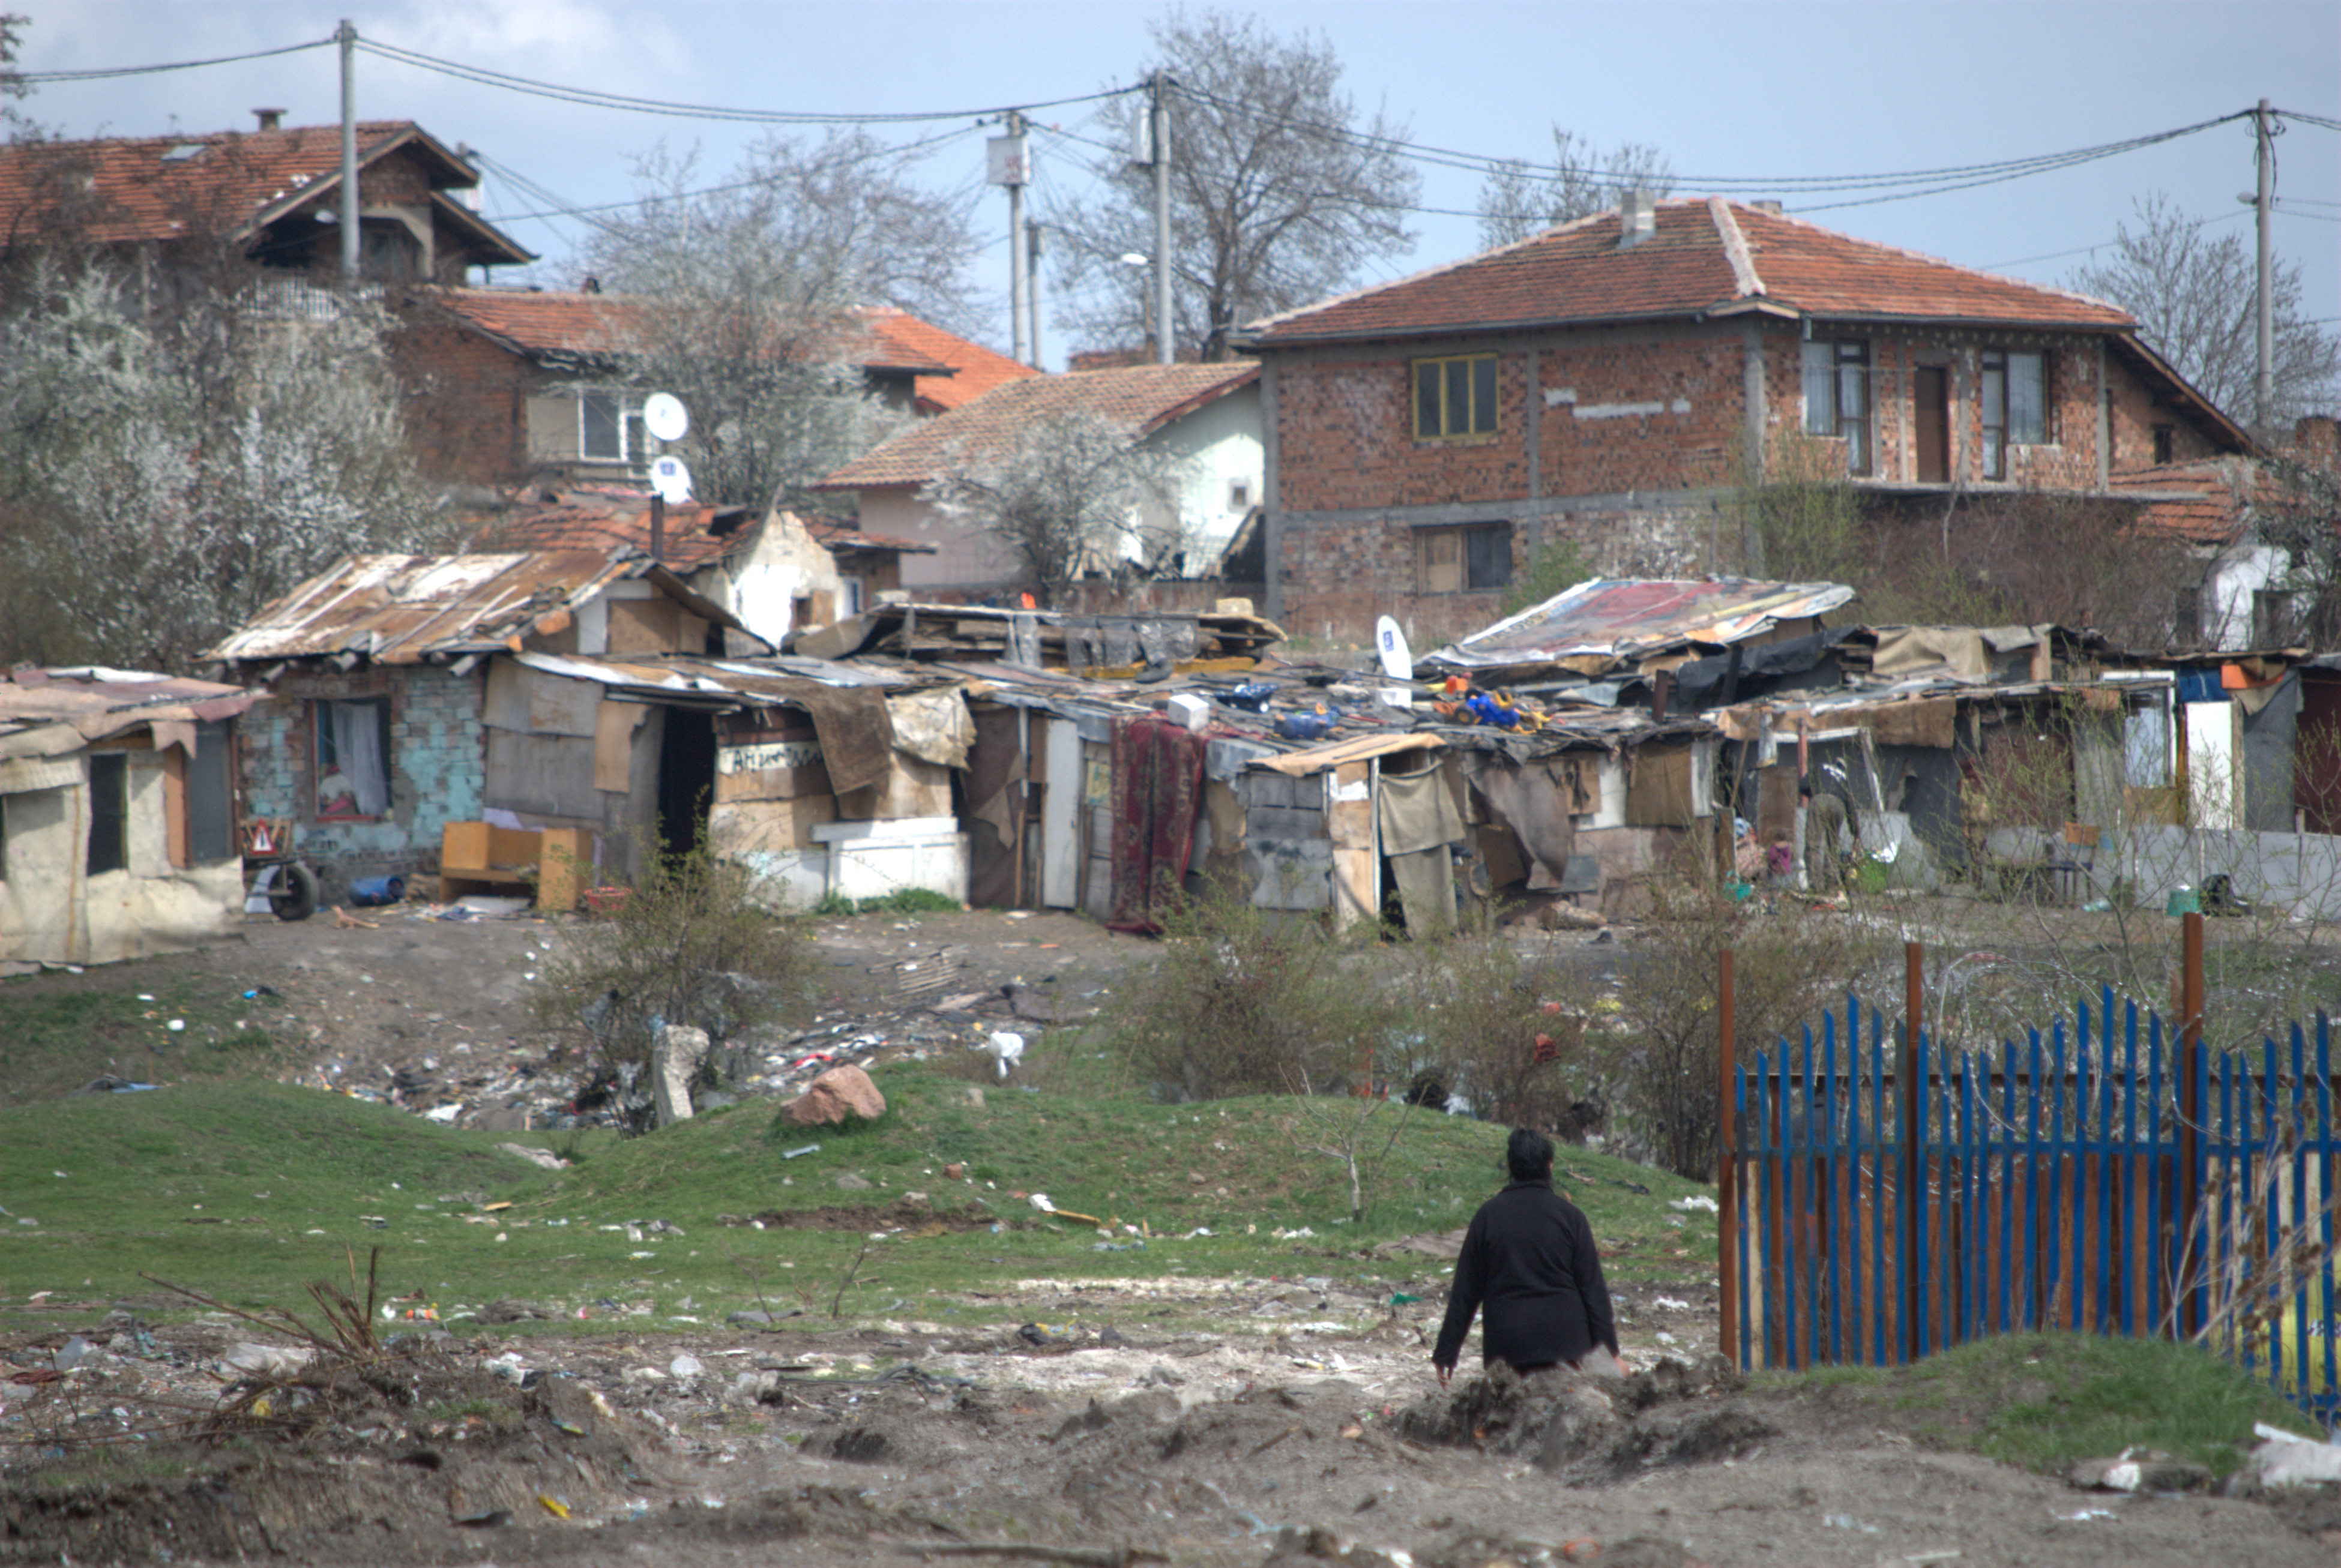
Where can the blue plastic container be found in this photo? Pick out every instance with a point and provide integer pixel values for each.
(375, 890)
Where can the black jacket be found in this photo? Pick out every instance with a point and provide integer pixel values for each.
(1528, 1259)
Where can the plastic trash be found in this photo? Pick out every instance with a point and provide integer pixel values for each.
(685, 1365)
(375, 890)
(808, 1149)
(73, 1352)
(1695, 1202)
(2288, 1459)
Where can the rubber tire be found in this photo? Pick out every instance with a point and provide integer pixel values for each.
(293, 896)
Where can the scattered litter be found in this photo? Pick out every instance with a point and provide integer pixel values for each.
(1695, 1202)
(1847, 1522)
(808, 1149)
(1669, 1304)
(2288, 1459)
(2087, 1514)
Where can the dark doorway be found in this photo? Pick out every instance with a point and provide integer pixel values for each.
(1930, 407)
(686, 778)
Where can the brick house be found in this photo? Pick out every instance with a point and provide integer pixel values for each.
(524, 385)
(270, 196)
(1607, 382)
(1206, 415)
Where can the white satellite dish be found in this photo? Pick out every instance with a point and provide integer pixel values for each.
(670, 480)
(664, 416)
(1398, 659)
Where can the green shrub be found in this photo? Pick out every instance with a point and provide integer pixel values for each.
(688, 944)
(1243, 1001)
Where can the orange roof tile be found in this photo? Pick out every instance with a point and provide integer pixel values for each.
(1704, 256)
(120, 190)
(537, 322)
(974, 369)
(604, 519)
(1142, 400)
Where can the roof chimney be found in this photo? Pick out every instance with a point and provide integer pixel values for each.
(270, 119)
(1638, 218)
(1767, 207)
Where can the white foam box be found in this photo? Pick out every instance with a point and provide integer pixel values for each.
(872, 860)
(1195, 712)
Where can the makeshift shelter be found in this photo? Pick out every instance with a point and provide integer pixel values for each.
(117, 815)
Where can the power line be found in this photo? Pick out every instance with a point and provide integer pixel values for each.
(594, 98)
(2101, 244)
(39, 77)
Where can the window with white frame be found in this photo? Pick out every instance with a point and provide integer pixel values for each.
(2014, 405)
(610, 429)
(1836, 396)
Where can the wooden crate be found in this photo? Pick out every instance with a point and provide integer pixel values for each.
(553, 864)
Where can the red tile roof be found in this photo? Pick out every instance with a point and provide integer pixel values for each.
(1703, 257)
(122, 190)
(1142, 400)
(604, 519)
(2211, 500)
(974, 369)
(539, 322)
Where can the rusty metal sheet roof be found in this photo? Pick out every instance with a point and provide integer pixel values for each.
(1620, 620)
(404, 608)
(46, 712)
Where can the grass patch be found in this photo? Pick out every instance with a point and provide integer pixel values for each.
(247, 1192)
(901, 902)
(54, 1040)
(2042, 1402)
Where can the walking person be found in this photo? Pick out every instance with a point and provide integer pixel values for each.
(1529, 1270)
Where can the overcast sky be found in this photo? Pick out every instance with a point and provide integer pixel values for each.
(1728, 91)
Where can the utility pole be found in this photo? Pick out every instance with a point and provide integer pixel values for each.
(2264, 384)
(1035, 244)
(1160, 151)
(347, 36)
(1008, 168)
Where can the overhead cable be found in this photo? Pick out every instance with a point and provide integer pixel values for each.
(36, 78)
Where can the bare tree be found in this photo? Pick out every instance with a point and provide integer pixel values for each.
(12, 82)
(1521, 199)
(1073, 494)
(743, 298)
(1280, 191)
(2195, 297)
(162, 476)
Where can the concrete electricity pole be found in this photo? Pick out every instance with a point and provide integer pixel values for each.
(1159, 150)
(1008, 168)
(1035, 244)
(2264, 384)
(348, 38)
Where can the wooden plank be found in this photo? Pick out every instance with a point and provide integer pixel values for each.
(1350, 826)
(614, 724)
(1298, 763)
(1060, 856)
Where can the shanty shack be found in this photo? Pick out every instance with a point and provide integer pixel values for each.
(405, 693)
(117, 817)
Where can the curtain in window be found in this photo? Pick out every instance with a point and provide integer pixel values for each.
(1821, 389)
(357, 746)
(2027, 400)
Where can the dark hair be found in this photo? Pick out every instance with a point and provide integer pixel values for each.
(1528, 1154)
(1805, 790)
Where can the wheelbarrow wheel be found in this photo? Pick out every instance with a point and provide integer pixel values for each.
(293, 893)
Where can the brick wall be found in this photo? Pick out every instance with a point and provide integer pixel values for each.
(465, 400)
(1637, 433)
(437, 765)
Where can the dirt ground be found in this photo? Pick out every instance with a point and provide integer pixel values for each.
(1291, 1436)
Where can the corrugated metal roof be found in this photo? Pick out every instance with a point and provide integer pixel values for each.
(404, 608)
(47, 712)
(1636, 618)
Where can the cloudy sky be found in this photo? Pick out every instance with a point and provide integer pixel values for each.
(1736, 95)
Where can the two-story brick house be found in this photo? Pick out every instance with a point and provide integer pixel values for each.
(270, 196)
(1609, 382)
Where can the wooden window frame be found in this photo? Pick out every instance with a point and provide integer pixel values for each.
(1434, 540)
(318, 741)
(1483, 405)
(1846, 368)
(1994, 419)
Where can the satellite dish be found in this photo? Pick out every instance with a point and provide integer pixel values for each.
(1397, 659)
(671, 479)
(664, 416)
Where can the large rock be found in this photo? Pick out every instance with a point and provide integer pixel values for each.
(840, 1095)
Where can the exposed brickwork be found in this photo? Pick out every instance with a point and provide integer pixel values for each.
(437, 765)
(466, 401)
(1649, 428)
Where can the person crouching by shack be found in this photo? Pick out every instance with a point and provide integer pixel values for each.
(1529, 1268)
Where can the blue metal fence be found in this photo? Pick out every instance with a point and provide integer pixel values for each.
(2065, 1181)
